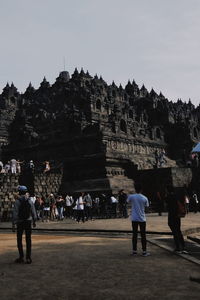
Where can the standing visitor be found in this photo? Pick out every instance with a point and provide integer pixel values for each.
(159, 203)
(68, 206)
(103, 205)
(138, 204)
(88, 206)
(37, 207)
(13, 166)
(195, 202)
(60, 207)
(46, 209)
(113, 202)
(47, 167)
(80, 208)
(23, 215)
(176, 210)
(31, 166)
(7, 167)
(96, 207)
(18, 166)
(52, 201)
(122, 204)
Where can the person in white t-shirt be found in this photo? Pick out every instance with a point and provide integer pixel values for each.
(138, 203)
(114, 202)
(13, 166)
(80, 208)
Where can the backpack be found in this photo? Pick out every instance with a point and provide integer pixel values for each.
(24, 209)
(181, 209)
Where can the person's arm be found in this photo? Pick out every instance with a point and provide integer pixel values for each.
(33, 213)
(147, 205)
(15, 214)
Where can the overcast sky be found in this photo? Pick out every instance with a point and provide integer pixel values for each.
(155, 42)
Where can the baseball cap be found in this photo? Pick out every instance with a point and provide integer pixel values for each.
(22, 188)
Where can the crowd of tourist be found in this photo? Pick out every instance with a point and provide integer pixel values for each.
(16, 166)
(84, 206)
(80, 207)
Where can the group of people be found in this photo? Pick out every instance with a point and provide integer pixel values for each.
(26, 211)
(80, 207)
(12, 166)
(15, 166)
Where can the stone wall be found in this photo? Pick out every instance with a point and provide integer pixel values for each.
(156, 180)
(8, 185)
(43, 184)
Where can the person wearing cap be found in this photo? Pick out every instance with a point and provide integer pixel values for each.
(24, 215)
(31, 166)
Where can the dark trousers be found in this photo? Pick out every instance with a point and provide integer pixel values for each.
(88, 212)
(21, 227)
(81, 215)
(175, 226)
(123, 211)
(114, 209)
(142, 226)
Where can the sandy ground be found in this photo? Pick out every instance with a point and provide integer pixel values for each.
(154, 223)
(73, 267)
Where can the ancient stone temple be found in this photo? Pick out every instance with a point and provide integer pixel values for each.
(101, 134)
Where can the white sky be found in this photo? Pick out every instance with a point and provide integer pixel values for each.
(155, 42)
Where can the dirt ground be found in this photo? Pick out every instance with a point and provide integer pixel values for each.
(73, 267)
(154, 223)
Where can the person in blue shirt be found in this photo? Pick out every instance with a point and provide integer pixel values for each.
(138, 204)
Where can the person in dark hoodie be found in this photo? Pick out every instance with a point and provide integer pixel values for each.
(174, 218)
(24, 215)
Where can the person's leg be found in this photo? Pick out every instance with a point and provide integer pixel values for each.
(28, 239)
(58, 208)
(20, 229)
(61, 213)
(134, 238)
(173, 226)
(78, 215)
(125, 214)
(143, 235)
(179, 235)
(87, 213)
(83, 215)
(90, 213)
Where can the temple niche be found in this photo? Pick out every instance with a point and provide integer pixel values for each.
(101, 134)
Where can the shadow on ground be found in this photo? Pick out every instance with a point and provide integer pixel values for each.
(71, 267)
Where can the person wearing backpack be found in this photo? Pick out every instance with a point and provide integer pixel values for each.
(176, 210)
(24, 215)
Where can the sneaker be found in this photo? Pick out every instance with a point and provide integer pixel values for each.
(177, 251)
(19, 260)
(28, 260)
(145, 253)
(134, 253)
(185, 252)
